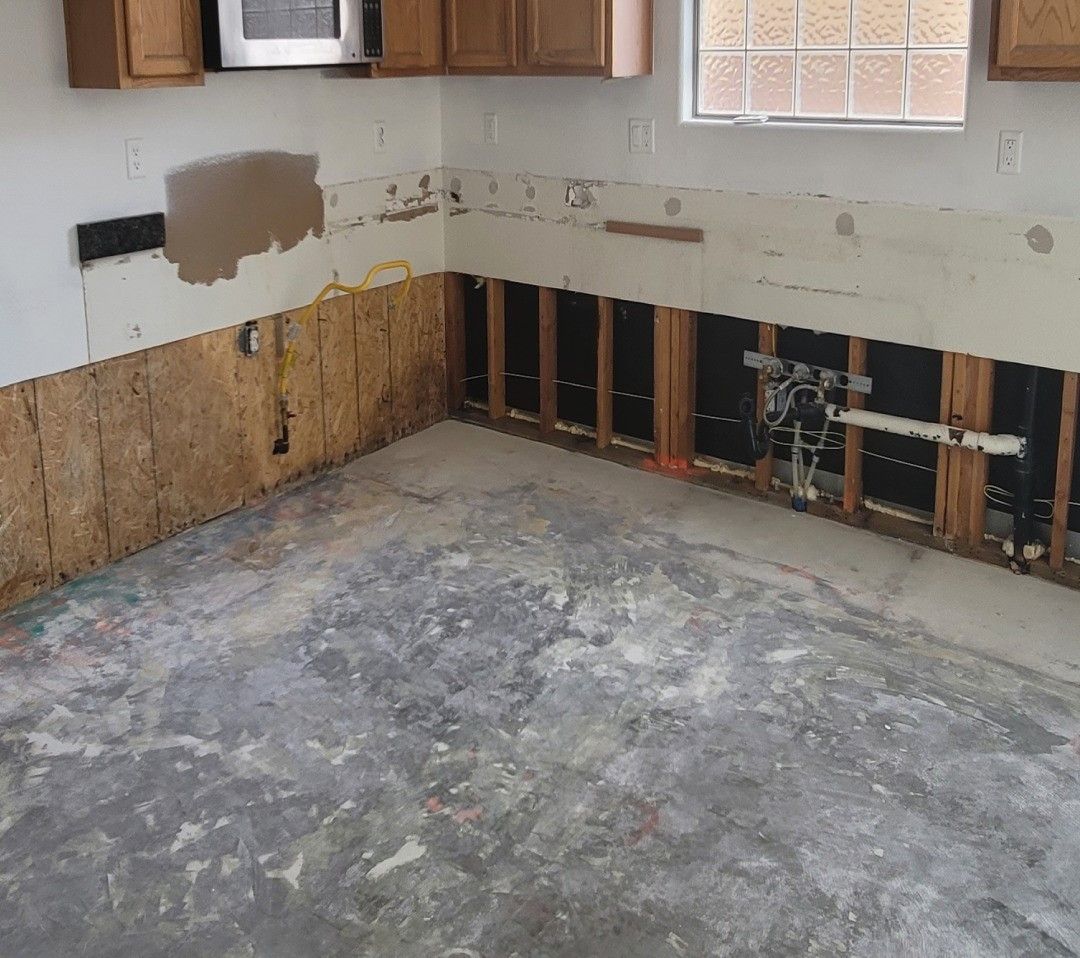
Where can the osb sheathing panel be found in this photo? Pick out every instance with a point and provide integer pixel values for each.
(25, 567)
(259, 417)
(341, 394)
(373, 359)
(194, 410)
(74, 480)
(127, 448)
(417, 356)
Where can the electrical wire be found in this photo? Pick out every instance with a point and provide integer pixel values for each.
(1004, 498)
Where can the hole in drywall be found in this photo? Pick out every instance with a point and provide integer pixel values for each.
(577, 320)
(722, 380)
(224, 209)
(907, 382)
(523, 347)
(476, 340)
(632, 375)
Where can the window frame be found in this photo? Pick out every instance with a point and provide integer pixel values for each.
(689, 78)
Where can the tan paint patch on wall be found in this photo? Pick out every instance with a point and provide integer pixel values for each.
(223, 209)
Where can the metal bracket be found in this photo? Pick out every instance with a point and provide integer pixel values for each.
(806, 373)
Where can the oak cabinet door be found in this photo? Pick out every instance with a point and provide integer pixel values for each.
(163, 37)
(413, 35)
(481, 33)
(1039, 33)
(565, 33)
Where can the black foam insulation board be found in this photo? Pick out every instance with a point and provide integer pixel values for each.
(476, 339)
(722, 380)
(632, 412)
(130, 234)
(577, 326)
(1009, 380)
(907, 382)
(523, 347)
(817, 349)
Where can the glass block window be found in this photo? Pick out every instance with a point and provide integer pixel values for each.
(857, 61)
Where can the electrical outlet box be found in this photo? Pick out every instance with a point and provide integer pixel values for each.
(642, 136)
(491, 128)
(379, 136)
(136, 166)
(1010, 145)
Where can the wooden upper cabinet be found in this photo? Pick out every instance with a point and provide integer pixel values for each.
(121, 44)
(565, 33)
(412, 38)
(1042, 34)
(481, 33)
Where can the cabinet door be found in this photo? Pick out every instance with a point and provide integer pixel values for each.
(481, 33)
(565, 33)
(163, 37)
(413, 35)
(1039, 33)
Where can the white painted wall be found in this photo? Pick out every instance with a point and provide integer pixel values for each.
(62, 161)
(579, 128)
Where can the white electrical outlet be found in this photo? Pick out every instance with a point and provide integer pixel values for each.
(379, 136)
(136, 166)
(491, 128)
(1010, 146)
(642, 136)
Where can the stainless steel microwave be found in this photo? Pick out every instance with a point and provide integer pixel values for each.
(246, 34)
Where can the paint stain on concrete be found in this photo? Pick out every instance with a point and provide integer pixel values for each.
(493, 187)
(673, 207)
(226, 208)
(845, 225)
(1040, 239)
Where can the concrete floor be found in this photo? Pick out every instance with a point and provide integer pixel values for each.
(475, 696)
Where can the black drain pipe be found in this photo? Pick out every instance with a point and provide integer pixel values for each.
(1024, 501)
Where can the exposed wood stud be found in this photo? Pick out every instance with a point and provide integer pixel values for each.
(454, 293)
(1059, 532)
(683, 386)
(955, 503)
(496, 321)
(605, 369)
(662, 384)
(853, 458)
(944, 462)
(763, 470)
(548, 359)
(981, 418)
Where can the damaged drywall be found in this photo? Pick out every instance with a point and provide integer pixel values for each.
(228, 207)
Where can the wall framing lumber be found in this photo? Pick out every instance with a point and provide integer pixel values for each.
(25, 558)
(127, 450)
(454, 310)
(763, 469)
(549, 347)
(1059, 530)
(981, 404)
(605, 369)
(944, 463)
(853, 457)
(340, 379)
(662, 439)
(373, 369)
(683, 386)
(496, 321)
(68, 426)
(417, 355)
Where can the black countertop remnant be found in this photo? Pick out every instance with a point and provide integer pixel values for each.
(116, 237)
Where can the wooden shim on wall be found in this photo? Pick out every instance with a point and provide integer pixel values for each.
(677, 234)
(763, 469)
(605, 369)
(853, 459)
(454, 320)
(74, 481)
(496, 319)
(944, 462)
(341, 393)
(127, 449)
(548, 359)
(373, 362)
(662, 323)
(195, 413)
(417, 355)
(25, 561)
(256, 389)
(683, 385)
(1059, 531)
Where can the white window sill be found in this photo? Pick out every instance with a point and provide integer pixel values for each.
(813, 125)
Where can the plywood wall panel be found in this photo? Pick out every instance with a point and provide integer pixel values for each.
(341, 393)
(25, 563)
(373, 360)
(74, 480)
(194, 409)
(418, 356)
(127, 448)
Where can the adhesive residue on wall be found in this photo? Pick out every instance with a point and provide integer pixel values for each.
(225, 208)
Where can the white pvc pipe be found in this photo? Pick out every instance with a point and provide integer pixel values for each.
(992, 445)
